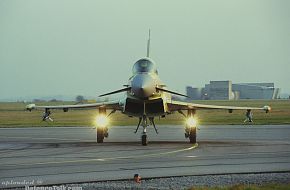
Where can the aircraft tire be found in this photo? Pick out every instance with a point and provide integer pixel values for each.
(144, 140)
(106, 133)
(100, 135)
(192, 135)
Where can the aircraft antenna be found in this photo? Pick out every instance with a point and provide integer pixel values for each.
(148, 45)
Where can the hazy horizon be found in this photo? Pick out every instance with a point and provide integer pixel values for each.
(89, 47)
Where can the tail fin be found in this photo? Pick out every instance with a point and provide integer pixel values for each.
(148, 45)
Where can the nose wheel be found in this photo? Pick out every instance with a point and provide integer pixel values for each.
(144, 138)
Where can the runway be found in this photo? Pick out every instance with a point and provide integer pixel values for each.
(42, 156)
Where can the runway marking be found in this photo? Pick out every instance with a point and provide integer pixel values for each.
(148, 168)
(47, 138)
(106, 159)
(198, 158)
(205, 165)
(243, 154)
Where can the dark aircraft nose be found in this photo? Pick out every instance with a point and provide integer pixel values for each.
(143, 85)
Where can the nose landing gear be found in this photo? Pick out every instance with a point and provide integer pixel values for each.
(144, 140)
(144, 122)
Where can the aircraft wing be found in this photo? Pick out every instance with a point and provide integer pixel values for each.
(116, 105)
(179, 105)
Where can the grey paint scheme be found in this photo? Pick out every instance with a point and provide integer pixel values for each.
(144, 96)
(143, 91)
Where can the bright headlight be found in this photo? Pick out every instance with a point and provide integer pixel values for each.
(191, 122)
(102, 121)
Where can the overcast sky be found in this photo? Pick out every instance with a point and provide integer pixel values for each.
(53, 47)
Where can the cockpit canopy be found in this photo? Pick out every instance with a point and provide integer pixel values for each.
(144, 65)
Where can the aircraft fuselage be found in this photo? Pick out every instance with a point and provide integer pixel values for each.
(144, 99)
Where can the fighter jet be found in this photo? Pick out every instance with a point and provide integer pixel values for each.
(146, 97)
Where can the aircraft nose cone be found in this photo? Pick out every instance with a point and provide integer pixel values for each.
(143, 85)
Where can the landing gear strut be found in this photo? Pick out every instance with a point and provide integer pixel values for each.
(144, 140)
(249, 116)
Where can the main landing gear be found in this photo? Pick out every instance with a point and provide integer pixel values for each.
(102, 125)
(190, 133)
(102, 132)
(144, 122)
(190, 126)
(249, 116)
(46, 115)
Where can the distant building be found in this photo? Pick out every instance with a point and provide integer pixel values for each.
(220, 90)
(225, 90)
(257, 90)
(194, 93)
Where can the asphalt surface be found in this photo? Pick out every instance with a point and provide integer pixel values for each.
(42, 156)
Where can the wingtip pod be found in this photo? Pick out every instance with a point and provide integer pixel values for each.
(30, 107)
(267, 108)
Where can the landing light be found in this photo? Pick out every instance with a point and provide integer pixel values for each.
(191, 122)
(102, 121)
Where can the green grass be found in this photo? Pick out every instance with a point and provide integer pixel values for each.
(14, 115)
(247, 187)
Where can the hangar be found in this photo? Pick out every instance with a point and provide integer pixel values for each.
(225, 90)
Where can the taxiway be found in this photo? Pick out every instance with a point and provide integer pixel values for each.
(69, 154)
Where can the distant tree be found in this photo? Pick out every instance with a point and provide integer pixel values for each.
(38, 100)
(54, 100)
(80, 98)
